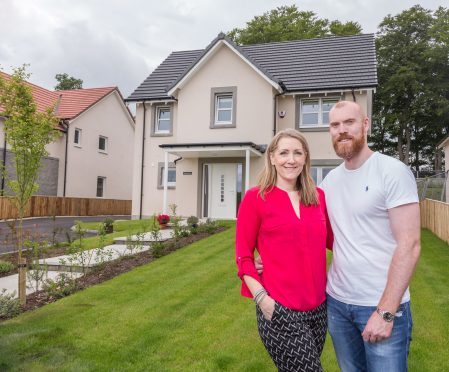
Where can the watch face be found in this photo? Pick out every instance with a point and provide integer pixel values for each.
(386, 315)
(389, 317)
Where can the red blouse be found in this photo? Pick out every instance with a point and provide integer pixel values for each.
(293, 250)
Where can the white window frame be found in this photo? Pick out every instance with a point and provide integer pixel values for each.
(104, 187)
(217, 108)
(320, 111)
(80, 132)
(105, 150)
(319, 173)
(158, 120)
(169, 184)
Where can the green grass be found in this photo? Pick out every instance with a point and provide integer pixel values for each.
(183, 312)
(119, 225)
(121, 228)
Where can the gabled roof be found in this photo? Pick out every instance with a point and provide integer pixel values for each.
(443, 143)
(74, 102)
(340, 62)
(68, 104)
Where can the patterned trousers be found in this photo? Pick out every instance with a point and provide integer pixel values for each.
(294, 339)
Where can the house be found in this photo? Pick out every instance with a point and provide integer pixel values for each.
(93, 155)
(205, 117)
(444, 145)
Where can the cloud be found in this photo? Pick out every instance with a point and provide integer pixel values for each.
(118, 43)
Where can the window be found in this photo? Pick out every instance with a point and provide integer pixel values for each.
(163, 120)
(162, 124)
(171, 176)
(77, 137)
(101, 182)
(223, 107)
(315, 112)
(319, 173)
(103, 144)
(222, 184)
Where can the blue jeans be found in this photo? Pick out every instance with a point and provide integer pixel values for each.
(346, 323)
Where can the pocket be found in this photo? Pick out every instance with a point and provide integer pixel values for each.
(275, 310)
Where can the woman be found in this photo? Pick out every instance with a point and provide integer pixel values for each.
(285, 218)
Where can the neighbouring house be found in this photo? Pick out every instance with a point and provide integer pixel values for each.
(444, 145)
(204, 117)
(94, 153)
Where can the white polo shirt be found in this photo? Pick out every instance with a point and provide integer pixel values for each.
(358, 202)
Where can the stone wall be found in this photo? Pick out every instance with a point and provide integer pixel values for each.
(48, 174)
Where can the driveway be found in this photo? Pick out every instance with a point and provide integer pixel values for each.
(44, 228)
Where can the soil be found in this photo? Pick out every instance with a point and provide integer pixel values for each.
(112, 269)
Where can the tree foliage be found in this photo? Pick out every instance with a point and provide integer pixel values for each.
(27, 133)
(66, 82)
(288, 23)
(412, 108)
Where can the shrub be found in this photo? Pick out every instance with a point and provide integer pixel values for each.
(63, 286)
(108, 225)
(9, 305)
(158, 249)
(6, 267)
(210, 227)
(192, 221)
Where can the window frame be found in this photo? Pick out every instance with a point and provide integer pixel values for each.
(105, 150)
(103, 187)
(320, 168)
(155, 132)
(216, 94)
(160, 176)
(218, 97)
(80, 134)
(320, 125)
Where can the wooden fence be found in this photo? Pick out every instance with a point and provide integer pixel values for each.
(40, 206)
(435, 217)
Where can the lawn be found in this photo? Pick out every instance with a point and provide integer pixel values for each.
(121, 229)
(183, 312)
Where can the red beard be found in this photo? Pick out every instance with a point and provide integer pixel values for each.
(349, 149)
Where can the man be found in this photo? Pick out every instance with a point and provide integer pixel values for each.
(373, 207)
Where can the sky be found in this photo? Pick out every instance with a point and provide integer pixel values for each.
(119, 43)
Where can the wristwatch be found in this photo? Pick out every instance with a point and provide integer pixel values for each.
(386, 315)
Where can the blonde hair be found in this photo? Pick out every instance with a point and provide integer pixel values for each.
(304, 183)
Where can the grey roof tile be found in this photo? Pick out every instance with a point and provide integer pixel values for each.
(301, 65)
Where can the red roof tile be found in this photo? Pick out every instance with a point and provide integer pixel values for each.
(43, 98)
(68, 103)
(74, 102)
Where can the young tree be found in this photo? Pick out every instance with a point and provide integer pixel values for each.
(27, 133)
(288, 23)
(66, 82)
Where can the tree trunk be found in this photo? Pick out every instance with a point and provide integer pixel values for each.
(400, 149)
(408, 141)
(22, 280)
(438, 160)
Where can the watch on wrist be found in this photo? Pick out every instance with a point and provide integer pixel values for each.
(386, 315)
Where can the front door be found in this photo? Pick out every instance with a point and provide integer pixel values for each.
(221, 191)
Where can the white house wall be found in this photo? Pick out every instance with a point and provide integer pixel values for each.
(106, 118)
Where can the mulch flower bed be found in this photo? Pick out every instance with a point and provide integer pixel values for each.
(109, 270)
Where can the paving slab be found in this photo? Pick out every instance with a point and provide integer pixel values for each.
(147, 238)
(10, 283)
